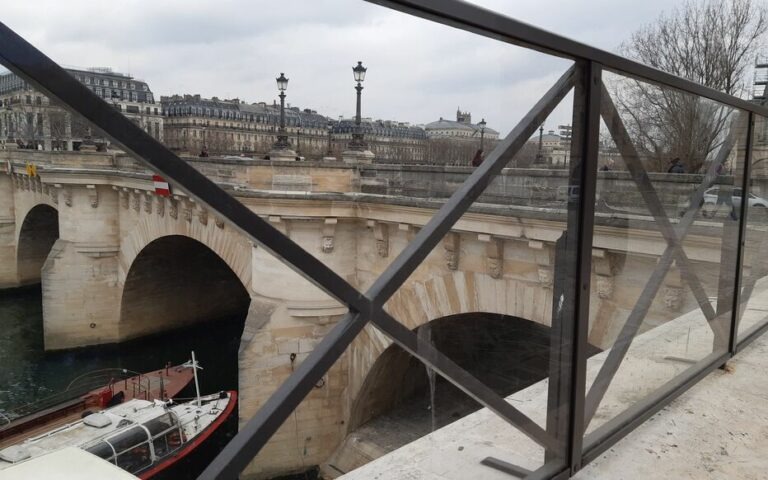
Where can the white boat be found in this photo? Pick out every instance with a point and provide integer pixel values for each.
(148, 439)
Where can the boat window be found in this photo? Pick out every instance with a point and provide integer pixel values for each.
(167, 443)
(101, 449)
(135, 459)
(160, 424)
(129, 438)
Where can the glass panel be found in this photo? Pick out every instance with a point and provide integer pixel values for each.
(167, 443)
(484, 297)
(127, 260)
(659, 313)
(135, 459)
(131, 437)
(161, 424)
(101, 449)
(754, 285)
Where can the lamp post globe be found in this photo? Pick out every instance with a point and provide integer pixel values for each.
(359, 72)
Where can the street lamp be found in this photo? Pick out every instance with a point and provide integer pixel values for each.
(357, 142)
(282, 136)
(300, 125)
(204, 150)
(539, 157)
(482, 132)
(330, 129)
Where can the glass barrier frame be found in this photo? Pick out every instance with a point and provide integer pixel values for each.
(563, 438)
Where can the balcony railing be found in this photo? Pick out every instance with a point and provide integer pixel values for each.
(566, 438)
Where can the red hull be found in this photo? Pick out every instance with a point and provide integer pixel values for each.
(189, 447)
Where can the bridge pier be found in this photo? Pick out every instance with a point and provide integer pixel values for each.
(287, 318)
(79, 278)
(8, 273)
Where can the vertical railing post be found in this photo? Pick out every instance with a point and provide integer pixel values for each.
(573, 266)
(587, 176)
(743, 212)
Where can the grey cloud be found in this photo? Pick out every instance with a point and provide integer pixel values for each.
(419, 70)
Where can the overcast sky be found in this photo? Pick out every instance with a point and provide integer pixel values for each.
(418, 71)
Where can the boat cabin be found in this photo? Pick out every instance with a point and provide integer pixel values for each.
(140, 446)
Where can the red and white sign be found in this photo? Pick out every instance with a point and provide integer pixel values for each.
(162, 187)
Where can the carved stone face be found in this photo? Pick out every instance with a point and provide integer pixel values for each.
(545, 275)
(673, 298)
(495, 267)
(327, 244)
(382, 247)
(604, 286)
(173, 209)
(160, 206)
(452, 259)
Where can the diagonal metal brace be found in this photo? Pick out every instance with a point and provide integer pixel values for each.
(255, 434)
(636, 169)
(674, 249)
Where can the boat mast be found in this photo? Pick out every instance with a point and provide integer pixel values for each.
(194, 371)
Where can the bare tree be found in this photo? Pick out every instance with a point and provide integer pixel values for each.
(527, 155)
(713, 43)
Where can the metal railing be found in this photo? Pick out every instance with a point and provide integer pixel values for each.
(571, 406)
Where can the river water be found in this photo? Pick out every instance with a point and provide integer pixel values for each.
(27, 372)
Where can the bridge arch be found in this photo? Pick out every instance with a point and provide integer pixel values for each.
(176, 281)
(173, 273)
(455, 293)
(228, 245)
(506, 353)
(37, 233)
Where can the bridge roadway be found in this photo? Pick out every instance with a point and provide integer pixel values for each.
(116, 262)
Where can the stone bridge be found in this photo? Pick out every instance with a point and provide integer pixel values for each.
(117, 262)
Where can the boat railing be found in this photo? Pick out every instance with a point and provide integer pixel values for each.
(141, 386)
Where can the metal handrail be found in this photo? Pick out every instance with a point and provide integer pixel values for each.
(572, 320)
